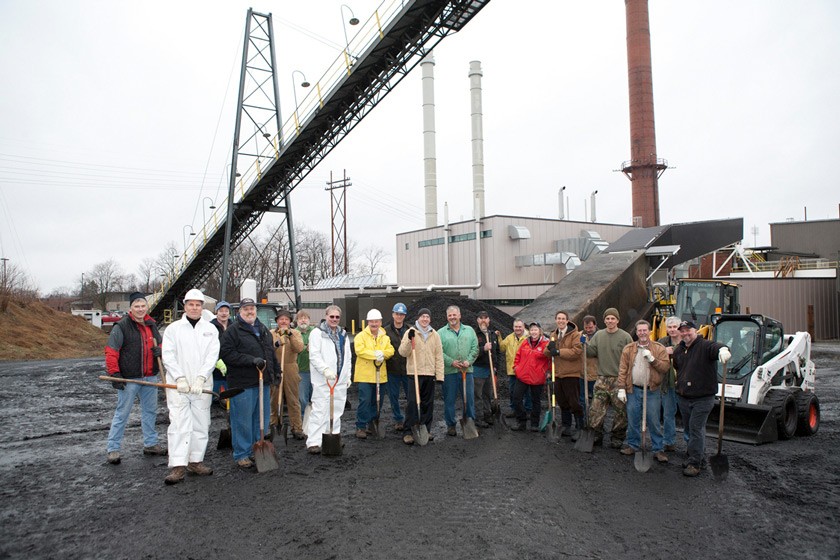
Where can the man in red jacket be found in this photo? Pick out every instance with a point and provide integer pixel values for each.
(132, 352)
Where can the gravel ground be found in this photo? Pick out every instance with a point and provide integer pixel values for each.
(514, 496)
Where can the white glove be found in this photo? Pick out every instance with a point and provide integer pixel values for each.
(647, 355)
(198, 386)
(183, 386)
(380, 355)
(329, 375)
(622, 395)
(724, 354)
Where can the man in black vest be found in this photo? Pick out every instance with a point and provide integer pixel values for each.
(132, 352)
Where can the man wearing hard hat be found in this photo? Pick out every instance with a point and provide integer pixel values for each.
(190, 352)
(372, 347)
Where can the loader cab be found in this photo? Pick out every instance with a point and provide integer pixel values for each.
(752, 340)
(698, 300)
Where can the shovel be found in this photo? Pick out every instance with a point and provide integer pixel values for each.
(547, 416)
(264, 454)
(225, 439)
(553, 430)
(643, 460)
(467, 424)
(331, 443)
(283, 428)
(498, 424)
(419, 431)
(719, 462)
(222, 395)
(586, 439)
(378, 429)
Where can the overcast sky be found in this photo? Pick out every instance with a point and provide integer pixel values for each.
(116, 119)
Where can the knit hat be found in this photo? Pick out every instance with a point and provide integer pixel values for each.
(424, 311)
(612, 311)
(221, 304)
(134, 296)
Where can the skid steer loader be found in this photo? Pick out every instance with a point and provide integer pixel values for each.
(769, 383)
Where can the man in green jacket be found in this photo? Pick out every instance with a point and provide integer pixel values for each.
(607, 345)
(460, 349)
(305, 388)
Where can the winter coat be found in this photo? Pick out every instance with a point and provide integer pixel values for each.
(483, 358)
(129, 348)
(510, 346)
(240, 346)
(292, 342)
(461, 346)
(660, 366)
(670, 380)
(531, 363)
(366, 345)
(323, 355)
(427, 353)
(217, 374)
(696, 367)
(396, 363)
(569, 362)
(190, 351)
(303, 357)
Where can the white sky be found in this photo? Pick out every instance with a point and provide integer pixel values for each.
(116, 119)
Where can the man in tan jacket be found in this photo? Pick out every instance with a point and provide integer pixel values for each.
(643, 363)
(423, 351)
(288, 343)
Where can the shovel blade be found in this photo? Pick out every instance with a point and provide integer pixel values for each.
(552, 432)
(284, 429)
(420, 434)
(265, 456)
(230, 393)
(331, 445)
(225, 442)
(720, 466)
(643, 461)
(547, 417)
(586, 441)
(470, 431)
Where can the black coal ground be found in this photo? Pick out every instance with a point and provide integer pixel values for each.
(511, 497)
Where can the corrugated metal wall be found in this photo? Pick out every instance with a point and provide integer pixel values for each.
(787, 300)
(821, 237)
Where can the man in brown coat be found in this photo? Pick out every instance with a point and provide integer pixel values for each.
(643, 362)
(566, 350)
(288, 343)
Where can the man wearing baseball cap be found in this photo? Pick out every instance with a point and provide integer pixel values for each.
(697, 384)
(397, 378)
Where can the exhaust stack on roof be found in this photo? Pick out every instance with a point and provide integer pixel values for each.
(429, 151)
(477, 139)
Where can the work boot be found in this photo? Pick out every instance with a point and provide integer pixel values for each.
(627, 450)
(199, 469)
(691, 470)
(599, 439)
(450, 431)
(519, 427)
(114, 457)
(298, 435)
(315, 450)
(567, 431)
(670, 448)
(408, 439)
(175, 475)
(535, 427)
(156, 449)
(245, 463)
(661, 457)
(616, 444)
(575, 435)
(361, 434)
(481, 424)
(511, 414)
(398, 427)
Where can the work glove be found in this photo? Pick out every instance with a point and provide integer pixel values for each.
(183, 386)
(552, 348)
(329, 375)
(583, 339)
(198, 385)
(220, 365)
(622, 395)
(411, 334)
(156, 351)
(380, 356)
(118, 385)
(498, 334)
(259, 363)
(277, 343)
(724, 354)
(647, 355)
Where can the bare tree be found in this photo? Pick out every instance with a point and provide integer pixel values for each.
(15, 283)
(165, 262)
(108, 277)
(146, 274)
(371, 260)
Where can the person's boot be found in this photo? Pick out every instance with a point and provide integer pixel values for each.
(578, 428)
(567, 430)
(520, 426)
(114, 457)
(175, 475)
(156, 449)
(199, 469)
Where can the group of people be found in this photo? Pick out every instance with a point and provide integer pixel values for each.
(309, 368)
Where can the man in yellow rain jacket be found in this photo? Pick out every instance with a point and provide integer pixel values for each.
(372, 347)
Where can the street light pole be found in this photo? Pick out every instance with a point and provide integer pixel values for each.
(203, 216)
(352, 21)
(184, 235)
(304, 84)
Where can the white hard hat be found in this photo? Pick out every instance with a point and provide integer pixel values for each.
(374, 315)
(194, 295)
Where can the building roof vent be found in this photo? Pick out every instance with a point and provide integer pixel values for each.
(518, 232)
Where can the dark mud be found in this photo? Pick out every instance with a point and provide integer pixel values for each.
(514, 497)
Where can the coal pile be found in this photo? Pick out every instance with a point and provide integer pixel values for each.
(499, 320)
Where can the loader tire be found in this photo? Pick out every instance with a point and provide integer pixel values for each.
(784, 408)
(808, 407)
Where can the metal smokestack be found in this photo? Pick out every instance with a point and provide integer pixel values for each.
(429, 151)
(644, 168)
(477, 139)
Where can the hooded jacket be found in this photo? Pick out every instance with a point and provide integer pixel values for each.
(366, 344)
(427, 353)
(569, 362)
(531, 363)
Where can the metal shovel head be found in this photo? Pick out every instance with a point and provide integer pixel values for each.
(230, 393)
(720, 466)
(379, 429)
(331, 445)
(265, 456)
(420, 434)
(547, 417)
(643, 460)
(225, 441)
(470, 431)
(552, 432)
(586, 440)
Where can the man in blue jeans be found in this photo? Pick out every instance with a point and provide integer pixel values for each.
(669, 393)
(397, 379)
(697, 384)
(460, 348)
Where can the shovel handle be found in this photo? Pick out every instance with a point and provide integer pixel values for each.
(722, 400)
(149, 383)
(492, 370)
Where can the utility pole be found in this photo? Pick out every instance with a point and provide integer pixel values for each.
(338, 217)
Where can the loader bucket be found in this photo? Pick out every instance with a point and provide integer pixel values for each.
(745, 423)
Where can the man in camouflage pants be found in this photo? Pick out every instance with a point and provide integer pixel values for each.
(607, 345)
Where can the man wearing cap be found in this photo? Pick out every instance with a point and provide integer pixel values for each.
(510, 345)
(221, 322)
(305, 385)
(132, 352)
(607, 345)
(460, 349)
(190, 352)
(288, 343)
(397, 378)
(488, 352)
(372, 347)
(424, 354)
(247, 348)
(695, 360)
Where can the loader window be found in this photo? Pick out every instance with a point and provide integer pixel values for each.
(741, 337)
(772, 342)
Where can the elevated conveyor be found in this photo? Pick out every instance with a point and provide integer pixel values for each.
(387, 47)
